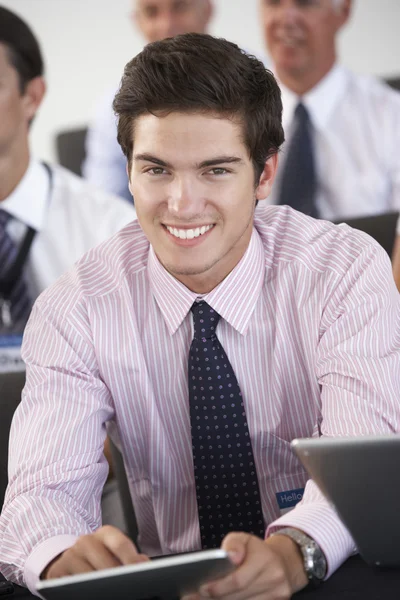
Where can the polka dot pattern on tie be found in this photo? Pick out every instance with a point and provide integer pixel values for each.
(227, 490)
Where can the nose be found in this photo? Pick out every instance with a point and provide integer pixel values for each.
(185, 201)
(166, 25)
(288, 14)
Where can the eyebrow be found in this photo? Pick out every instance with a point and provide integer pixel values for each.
(218, 160)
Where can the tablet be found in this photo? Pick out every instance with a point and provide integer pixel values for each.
(360, 476)
(166, 577)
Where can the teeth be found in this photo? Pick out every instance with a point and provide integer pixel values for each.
(292, 42)
(189, 234)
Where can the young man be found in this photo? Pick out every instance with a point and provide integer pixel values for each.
(155, 20)
(58, 215)
(205, 337)
(347, 126)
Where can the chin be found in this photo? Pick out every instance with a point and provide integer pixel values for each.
(188, 271)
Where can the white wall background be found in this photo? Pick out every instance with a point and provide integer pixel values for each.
(86, 44)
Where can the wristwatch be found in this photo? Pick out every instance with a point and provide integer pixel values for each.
(315, 564)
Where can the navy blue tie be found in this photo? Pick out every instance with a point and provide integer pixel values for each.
(15, 309)
(299, 181)
(228, 495)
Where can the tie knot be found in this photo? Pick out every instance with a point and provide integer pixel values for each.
(205, 320)
(4, 217)
(301, 113)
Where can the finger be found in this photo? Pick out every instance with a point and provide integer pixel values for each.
(77, 564)
(94, 551)
(68, 565)
(238, 585)
(235, 543)
(120, 545)
(247, 572)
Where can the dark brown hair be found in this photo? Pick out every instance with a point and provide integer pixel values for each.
(199, 73)
(22, 47)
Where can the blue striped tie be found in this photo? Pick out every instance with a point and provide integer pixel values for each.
(19, 302)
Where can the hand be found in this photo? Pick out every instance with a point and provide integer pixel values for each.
(269, 569)
(107, 547)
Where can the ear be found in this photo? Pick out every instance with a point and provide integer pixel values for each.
(129, 178)
(32, 97)
(267, 177)
(208, 12)
(344, 12)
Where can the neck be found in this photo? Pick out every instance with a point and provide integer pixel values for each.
(300, 83)
(216, 272)
(13, 167)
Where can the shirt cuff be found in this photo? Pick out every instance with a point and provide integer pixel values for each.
(322, 524)
(42, 555)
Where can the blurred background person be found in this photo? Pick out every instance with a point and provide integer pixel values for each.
(105, 165)
(64, 214)
(49, 217)
(340, 158)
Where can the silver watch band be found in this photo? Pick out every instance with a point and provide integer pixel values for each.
(314, 560)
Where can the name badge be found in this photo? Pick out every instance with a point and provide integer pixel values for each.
(10, 353)
(287, 500)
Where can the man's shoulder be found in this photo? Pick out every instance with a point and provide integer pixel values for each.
(104, 269)
(373, 90)
(290, 237)
(86, 200)
(77, 185)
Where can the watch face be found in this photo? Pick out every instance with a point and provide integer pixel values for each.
(319, 564)
(319, 569)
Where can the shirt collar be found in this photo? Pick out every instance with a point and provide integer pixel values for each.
(320, 101)
(234, 298)
(28, 201)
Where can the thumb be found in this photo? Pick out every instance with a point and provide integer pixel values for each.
(235, 544)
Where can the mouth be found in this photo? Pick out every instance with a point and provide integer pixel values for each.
(189, 234)
(288, 41)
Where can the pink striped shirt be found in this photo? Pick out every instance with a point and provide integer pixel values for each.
(311, 325)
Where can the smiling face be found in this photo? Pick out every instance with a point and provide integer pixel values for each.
(300, 36)
(193, 184)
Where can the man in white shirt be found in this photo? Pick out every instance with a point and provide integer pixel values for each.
(67, 215)
(354, 120)
(155, 19)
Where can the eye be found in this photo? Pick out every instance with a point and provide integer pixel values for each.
(181, 6)
(308, 3)
(156, 171)
(218, 171)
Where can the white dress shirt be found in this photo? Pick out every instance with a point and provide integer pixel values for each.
(356, 134)
(105, 163)
(70, 218)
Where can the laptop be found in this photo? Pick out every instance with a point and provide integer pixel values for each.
(360, 476)
(381, 227)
